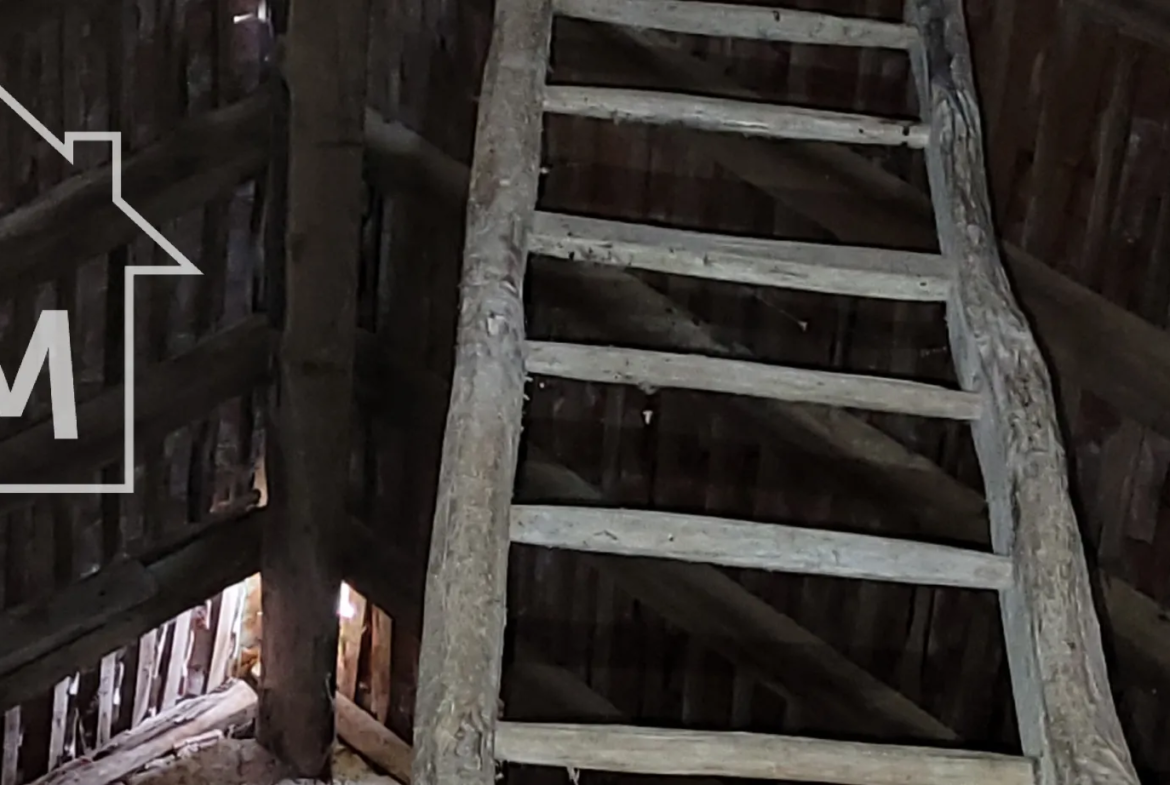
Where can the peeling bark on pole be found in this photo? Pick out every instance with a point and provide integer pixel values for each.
(1066, 714)
(462, 643)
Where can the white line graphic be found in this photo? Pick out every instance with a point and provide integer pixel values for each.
(184, 267)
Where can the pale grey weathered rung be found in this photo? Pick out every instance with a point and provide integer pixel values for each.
(639, 367)
(755, 545)
(723, 20)
(731, 116)
(811, 267)
(675, 752)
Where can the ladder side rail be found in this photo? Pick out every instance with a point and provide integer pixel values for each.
(464, 607)
(1068, 722)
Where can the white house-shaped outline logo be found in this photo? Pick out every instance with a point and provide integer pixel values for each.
(184, 267)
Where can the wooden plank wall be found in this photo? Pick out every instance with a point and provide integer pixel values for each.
(141, 67)
(188, 656)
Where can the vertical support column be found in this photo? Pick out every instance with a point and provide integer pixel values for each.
(462, 642)
(325, 67)
(1067, 719)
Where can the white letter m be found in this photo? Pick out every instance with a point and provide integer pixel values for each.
(50, 340)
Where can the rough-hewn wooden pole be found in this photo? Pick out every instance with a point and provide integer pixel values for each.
(325, 67)
(1067, 719)
(462, 643)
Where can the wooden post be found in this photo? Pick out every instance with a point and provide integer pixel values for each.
(1066, 714)
(462, 643)
(325, 67)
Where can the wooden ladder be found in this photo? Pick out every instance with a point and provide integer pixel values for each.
(1069, 726)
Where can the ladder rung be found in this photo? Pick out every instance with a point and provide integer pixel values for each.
(812, 267)
(753, 545)
(662, 751)
(639, 367)
(724, 20)
(732, 116)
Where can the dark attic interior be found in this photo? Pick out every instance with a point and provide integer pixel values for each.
(585, 392)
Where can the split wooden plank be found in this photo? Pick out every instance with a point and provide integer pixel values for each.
(180, 657)
(1060, 681)
(634, 750)
(381, 641)
(226, 628)
(755, 545)
(643, 368)
(107, 676)
(325, 68)
(723, 20)
(59, 721)
(811, 267)
(230, 707)
(462, 643)
(147, 672)
(727, 115)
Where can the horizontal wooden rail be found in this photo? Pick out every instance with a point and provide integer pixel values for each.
(634, 750)
(755, 545)
(723, 20)
(728, 115)
(615, 365)
(810, 267)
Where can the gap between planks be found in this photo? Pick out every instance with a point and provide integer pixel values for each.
(643, 368)
(754, 545)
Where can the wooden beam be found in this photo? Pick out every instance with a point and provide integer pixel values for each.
(225, 551)
(76, 221)
(649, 369)
(813, 267)
(756, 545)
(462, 642)
(727, 115)
(325, 66)
(231, 707)
(722, 20)
(373, 740)
(636, 750)
(1067, 718)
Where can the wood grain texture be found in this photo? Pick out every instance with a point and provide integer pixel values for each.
(723, 20)
(462, 641)
(325, 67)
(756, 545)
(811, 267)
(649, 369)
(382, 746)
(631, 749)
(727, 115)
(1066, 714)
